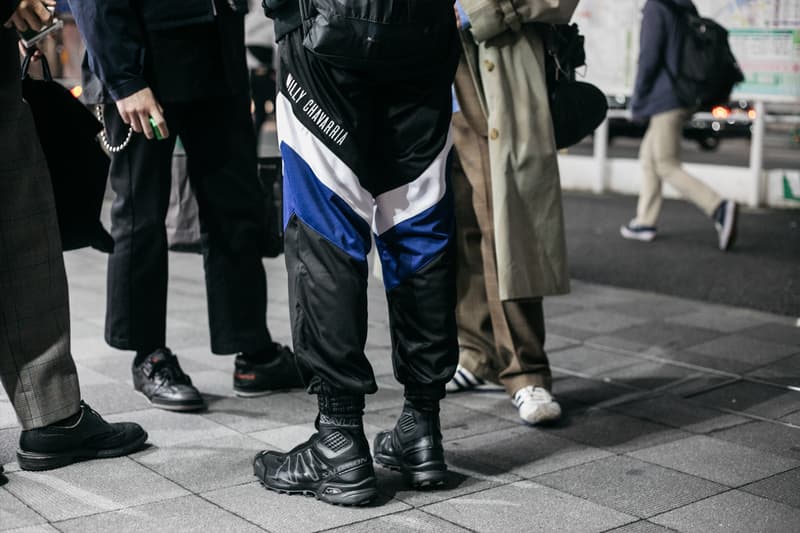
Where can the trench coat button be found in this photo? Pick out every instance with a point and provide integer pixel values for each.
(494, 134)
(489, 65)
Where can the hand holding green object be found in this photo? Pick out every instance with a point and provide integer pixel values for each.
(156, 129)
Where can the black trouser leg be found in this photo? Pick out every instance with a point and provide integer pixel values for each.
(221, 150)
(136, 296)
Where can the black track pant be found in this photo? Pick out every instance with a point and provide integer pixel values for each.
(367, 155)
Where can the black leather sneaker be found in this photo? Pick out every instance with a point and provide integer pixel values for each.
(334, 465)
(160, 379)
(90, 437)
(259, 378)
(414, 447)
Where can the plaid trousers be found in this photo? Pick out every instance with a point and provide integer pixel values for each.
(36, 367)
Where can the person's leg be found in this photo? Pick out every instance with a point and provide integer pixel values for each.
(667, 133)
(36, 367)
(327, 218)
(136, 296)
(476, 341)
(649, 204)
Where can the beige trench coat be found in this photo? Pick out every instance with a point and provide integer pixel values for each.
(506, 60)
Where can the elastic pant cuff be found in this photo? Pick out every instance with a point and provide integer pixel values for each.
(425, 398)
(340, 405)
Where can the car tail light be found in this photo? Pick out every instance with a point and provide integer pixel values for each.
(751, 114)
(76, 91)
(720, 112)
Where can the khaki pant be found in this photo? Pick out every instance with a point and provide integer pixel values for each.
(499, 341)
(660, 158)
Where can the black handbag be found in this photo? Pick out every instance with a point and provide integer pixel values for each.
(78, 166)
(577, 108)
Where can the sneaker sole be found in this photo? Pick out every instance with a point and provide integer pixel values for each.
(255, 394)
(184, 408)
(48, 461)
(637, 235)
(425, 476)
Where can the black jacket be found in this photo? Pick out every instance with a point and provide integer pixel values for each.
(114, 32)
(285, 13)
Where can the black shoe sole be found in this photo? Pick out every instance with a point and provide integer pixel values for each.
(426, 476)
(245, 393)
(173, 406)
(47, 461)
(348, 497)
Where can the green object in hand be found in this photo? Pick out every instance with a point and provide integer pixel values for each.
(156, 130)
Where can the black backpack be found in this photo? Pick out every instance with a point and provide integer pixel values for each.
(707, 68)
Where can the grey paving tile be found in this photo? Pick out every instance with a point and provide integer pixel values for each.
(770, 437)
(523, 451)
(783, 333)
(168, 428)
(697, 383)
(717, 460)
(300, 514)
(16, 514)
(553, 307)
(631, 486)
(664, 336)
(611, 431)
(648, 375)
(495, 403)
(745, 350)
(626, 345)
(642, 526)
(654, 307)
(597, 321)
(113, 398)
(676, 412)
(203, 465)
(754, 398)
(792, 418)
(587, 391)
(405, 522)
(733, 512)
(88, 488)
(590, 361)
(8, 418)
(510, 508)
(783, 488)
(723, 319)
(41, 528)
(265, 412)
(591, 295)
(571, 333)
(9, 441)
(784, 372)
(178, 515)
(557, 342)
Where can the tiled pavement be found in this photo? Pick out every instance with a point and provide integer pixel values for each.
(681, 416)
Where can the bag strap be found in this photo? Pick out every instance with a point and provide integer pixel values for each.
(26, 64)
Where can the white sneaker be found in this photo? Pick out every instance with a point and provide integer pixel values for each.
(634, 231)
(463, 381)
(536, 405)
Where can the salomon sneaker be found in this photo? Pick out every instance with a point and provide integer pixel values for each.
(414, 447)
(536, 405)
(334, 465)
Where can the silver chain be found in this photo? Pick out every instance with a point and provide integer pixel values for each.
(98, 109)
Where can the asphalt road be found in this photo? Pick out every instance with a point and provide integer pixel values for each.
(761, 272)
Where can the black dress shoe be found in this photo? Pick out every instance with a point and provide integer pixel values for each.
(414, 447)
(90, 437)
(256, 378)
(334, 465)
(160, 379)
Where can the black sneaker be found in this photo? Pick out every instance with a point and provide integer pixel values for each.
(725, 218)
(334, 465)
(414, 447)
(257, 378)
(90, 437)
(160, 379)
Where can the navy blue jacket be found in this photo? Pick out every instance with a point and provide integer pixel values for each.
(114, 32)
(660, 42)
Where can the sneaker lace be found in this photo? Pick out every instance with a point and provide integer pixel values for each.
(169, 370)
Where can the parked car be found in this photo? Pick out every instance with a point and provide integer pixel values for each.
(707, 126)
